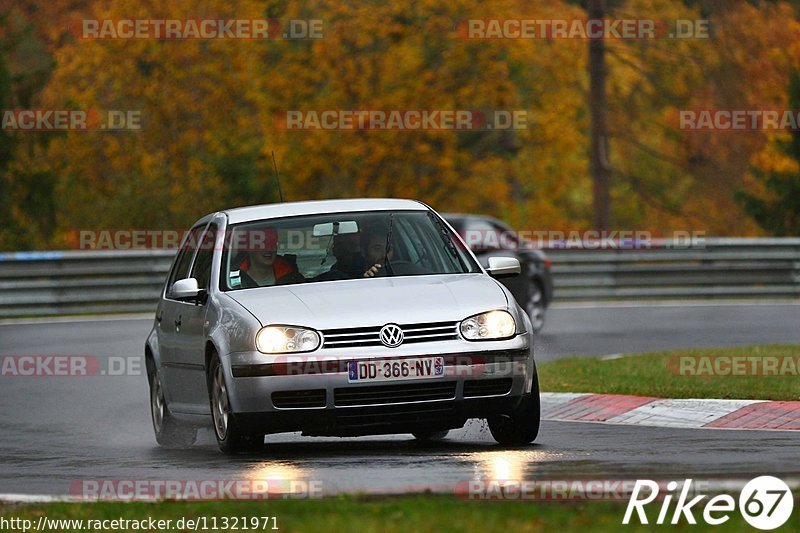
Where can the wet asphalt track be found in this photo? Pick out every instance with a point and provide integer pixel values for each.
(59, 430)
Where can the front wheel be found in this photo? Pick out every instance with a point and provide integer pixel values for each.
(535, 307)
(230, 436)
(521, 426)
(169, 433)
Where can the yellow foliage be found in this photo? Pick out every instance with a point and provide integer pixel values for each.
(209, 113)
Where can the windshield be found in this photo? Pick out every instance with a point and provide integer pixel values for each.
(317, 248)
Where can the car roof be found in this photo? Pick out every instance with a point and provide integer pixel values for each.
(315, 207)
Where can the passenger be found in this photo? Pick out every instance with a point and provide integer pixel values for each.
(263, 267)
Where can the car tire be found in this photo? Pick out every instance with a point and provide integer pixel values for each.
(168, 431)
(521, 425)
(231, 437)
(431, 436)
(535, 307)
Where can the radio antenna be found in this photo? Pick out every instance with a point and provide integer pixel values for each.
(277, 177)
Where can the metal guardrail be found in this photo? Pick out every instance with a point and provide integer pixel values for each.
(722, 268)
(60, 283)
(78, 282)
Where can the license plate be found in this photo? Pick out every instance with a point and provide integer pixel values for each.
(395, 369)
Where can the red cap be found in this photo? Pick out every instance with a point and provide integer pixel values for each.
(259, 240)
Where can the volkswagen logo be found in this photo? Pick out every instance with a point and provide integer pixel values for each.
(391, 335)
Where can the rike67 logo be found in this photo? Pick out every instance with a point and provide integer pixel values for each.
(765, 503)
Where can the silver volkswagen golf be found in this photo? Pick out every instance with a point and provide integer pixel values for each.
(337, 318)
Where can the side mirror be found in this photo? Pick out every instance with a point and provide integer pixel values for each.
(503, 267)
(185, 290)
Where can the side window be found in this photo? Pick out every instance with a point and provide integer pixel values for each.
(201, 271)
(482, 236)
(180, 269)
(507, 237)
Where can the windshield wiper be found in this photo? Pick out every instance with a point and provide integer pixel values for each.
(447, 240)
(388, 245)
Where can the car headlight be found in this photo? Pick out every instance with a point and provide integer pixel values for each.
(286, 339)
(489, 326)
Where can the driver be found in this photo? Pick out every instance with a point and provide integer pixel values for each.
(374, 250)
(359, 255)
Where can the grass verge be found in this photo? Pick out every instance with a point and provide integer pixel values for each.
(662, 374)
(421, 512)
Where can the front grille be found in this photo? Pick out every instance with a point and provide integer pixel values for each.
(383, 394)
(487, 387)
(370, 336)
(297, 399)
(419, 414)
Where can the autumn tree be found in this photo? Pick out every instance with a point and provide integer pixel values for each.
(756, 45)
(384, 56)
(200, 144)
(26, 193)
(777, 210)
(209, 110)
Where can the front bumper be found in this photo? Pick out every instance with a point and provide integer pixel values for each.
(311, 392)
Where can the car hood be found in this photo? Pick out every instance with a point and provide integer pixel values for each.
(375, 301)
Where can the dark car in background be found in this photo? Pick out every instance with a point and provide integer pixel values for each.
(489, 237)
